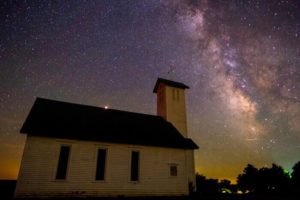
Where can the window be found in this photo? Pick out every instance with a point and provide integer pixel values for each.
(134, 166)
(63, 160)
(161, 93)
(100, 168)
(173, 170)
(175, 94)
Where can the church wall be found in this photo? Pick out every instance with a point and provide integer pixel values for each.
(40, 160)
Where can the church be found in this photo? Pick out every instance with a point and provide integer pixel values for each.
(75, 150)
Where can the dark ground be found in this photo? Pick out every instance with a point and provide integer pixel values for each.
(7, 188)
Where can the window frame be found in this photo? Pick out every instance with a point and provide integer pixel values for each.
(105, 164)
(175, 94)
(137, 168)
(66, 174)
(173, 166)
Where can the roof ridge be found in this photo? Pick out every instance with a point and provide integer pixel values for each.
(91, 106)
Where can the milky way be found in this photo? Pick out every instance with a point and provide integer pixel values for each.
(240, 58)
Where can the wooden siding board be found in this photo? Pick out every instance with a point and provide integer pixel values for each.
(38, 168)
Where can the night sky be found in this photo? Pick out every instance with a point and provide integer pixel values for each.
(240, 58)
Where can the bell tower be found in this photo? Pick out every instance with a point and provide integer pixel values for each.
(171, 103)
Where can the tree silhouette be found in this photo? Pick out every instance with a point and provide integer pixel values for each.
(206, 186)
(295, 181)
(265, 180)
(247, 180)
(225, 183)
(272, 180)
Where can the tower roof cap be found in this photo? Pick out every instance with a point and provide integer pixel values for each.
(169, 83)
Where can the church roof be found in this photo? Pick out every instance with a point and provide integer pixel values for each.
(169, 83)
(56, 119)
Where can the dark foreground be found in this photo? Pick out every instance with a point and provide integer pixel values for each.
(217, 197)
(7, 188)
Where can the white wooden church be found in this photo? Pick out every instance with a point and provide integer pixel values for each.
(75, 150)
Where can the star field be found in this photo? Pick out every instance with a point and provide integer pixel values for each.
(240, 58)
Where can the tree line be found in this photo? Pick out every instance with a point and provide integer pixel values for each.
(272, 180)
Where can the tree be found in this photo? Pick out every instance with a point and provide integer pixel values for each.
(247, 180)
(272, 180)
(296, 177)
(265, 180)
(206, 186)
(281, 180)
(225, 183)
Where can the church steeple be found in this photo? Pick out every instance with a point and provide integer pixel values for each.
(171, 103)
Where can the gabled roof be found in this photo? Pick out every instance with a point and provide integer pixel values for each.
(56, 119)
(169, 83)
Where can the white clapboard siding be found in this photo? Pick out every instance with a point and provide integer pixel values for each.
(39, 163)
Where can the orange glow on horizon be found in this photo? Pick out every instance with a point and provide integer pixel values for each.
(9, 171)
(10, 157)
